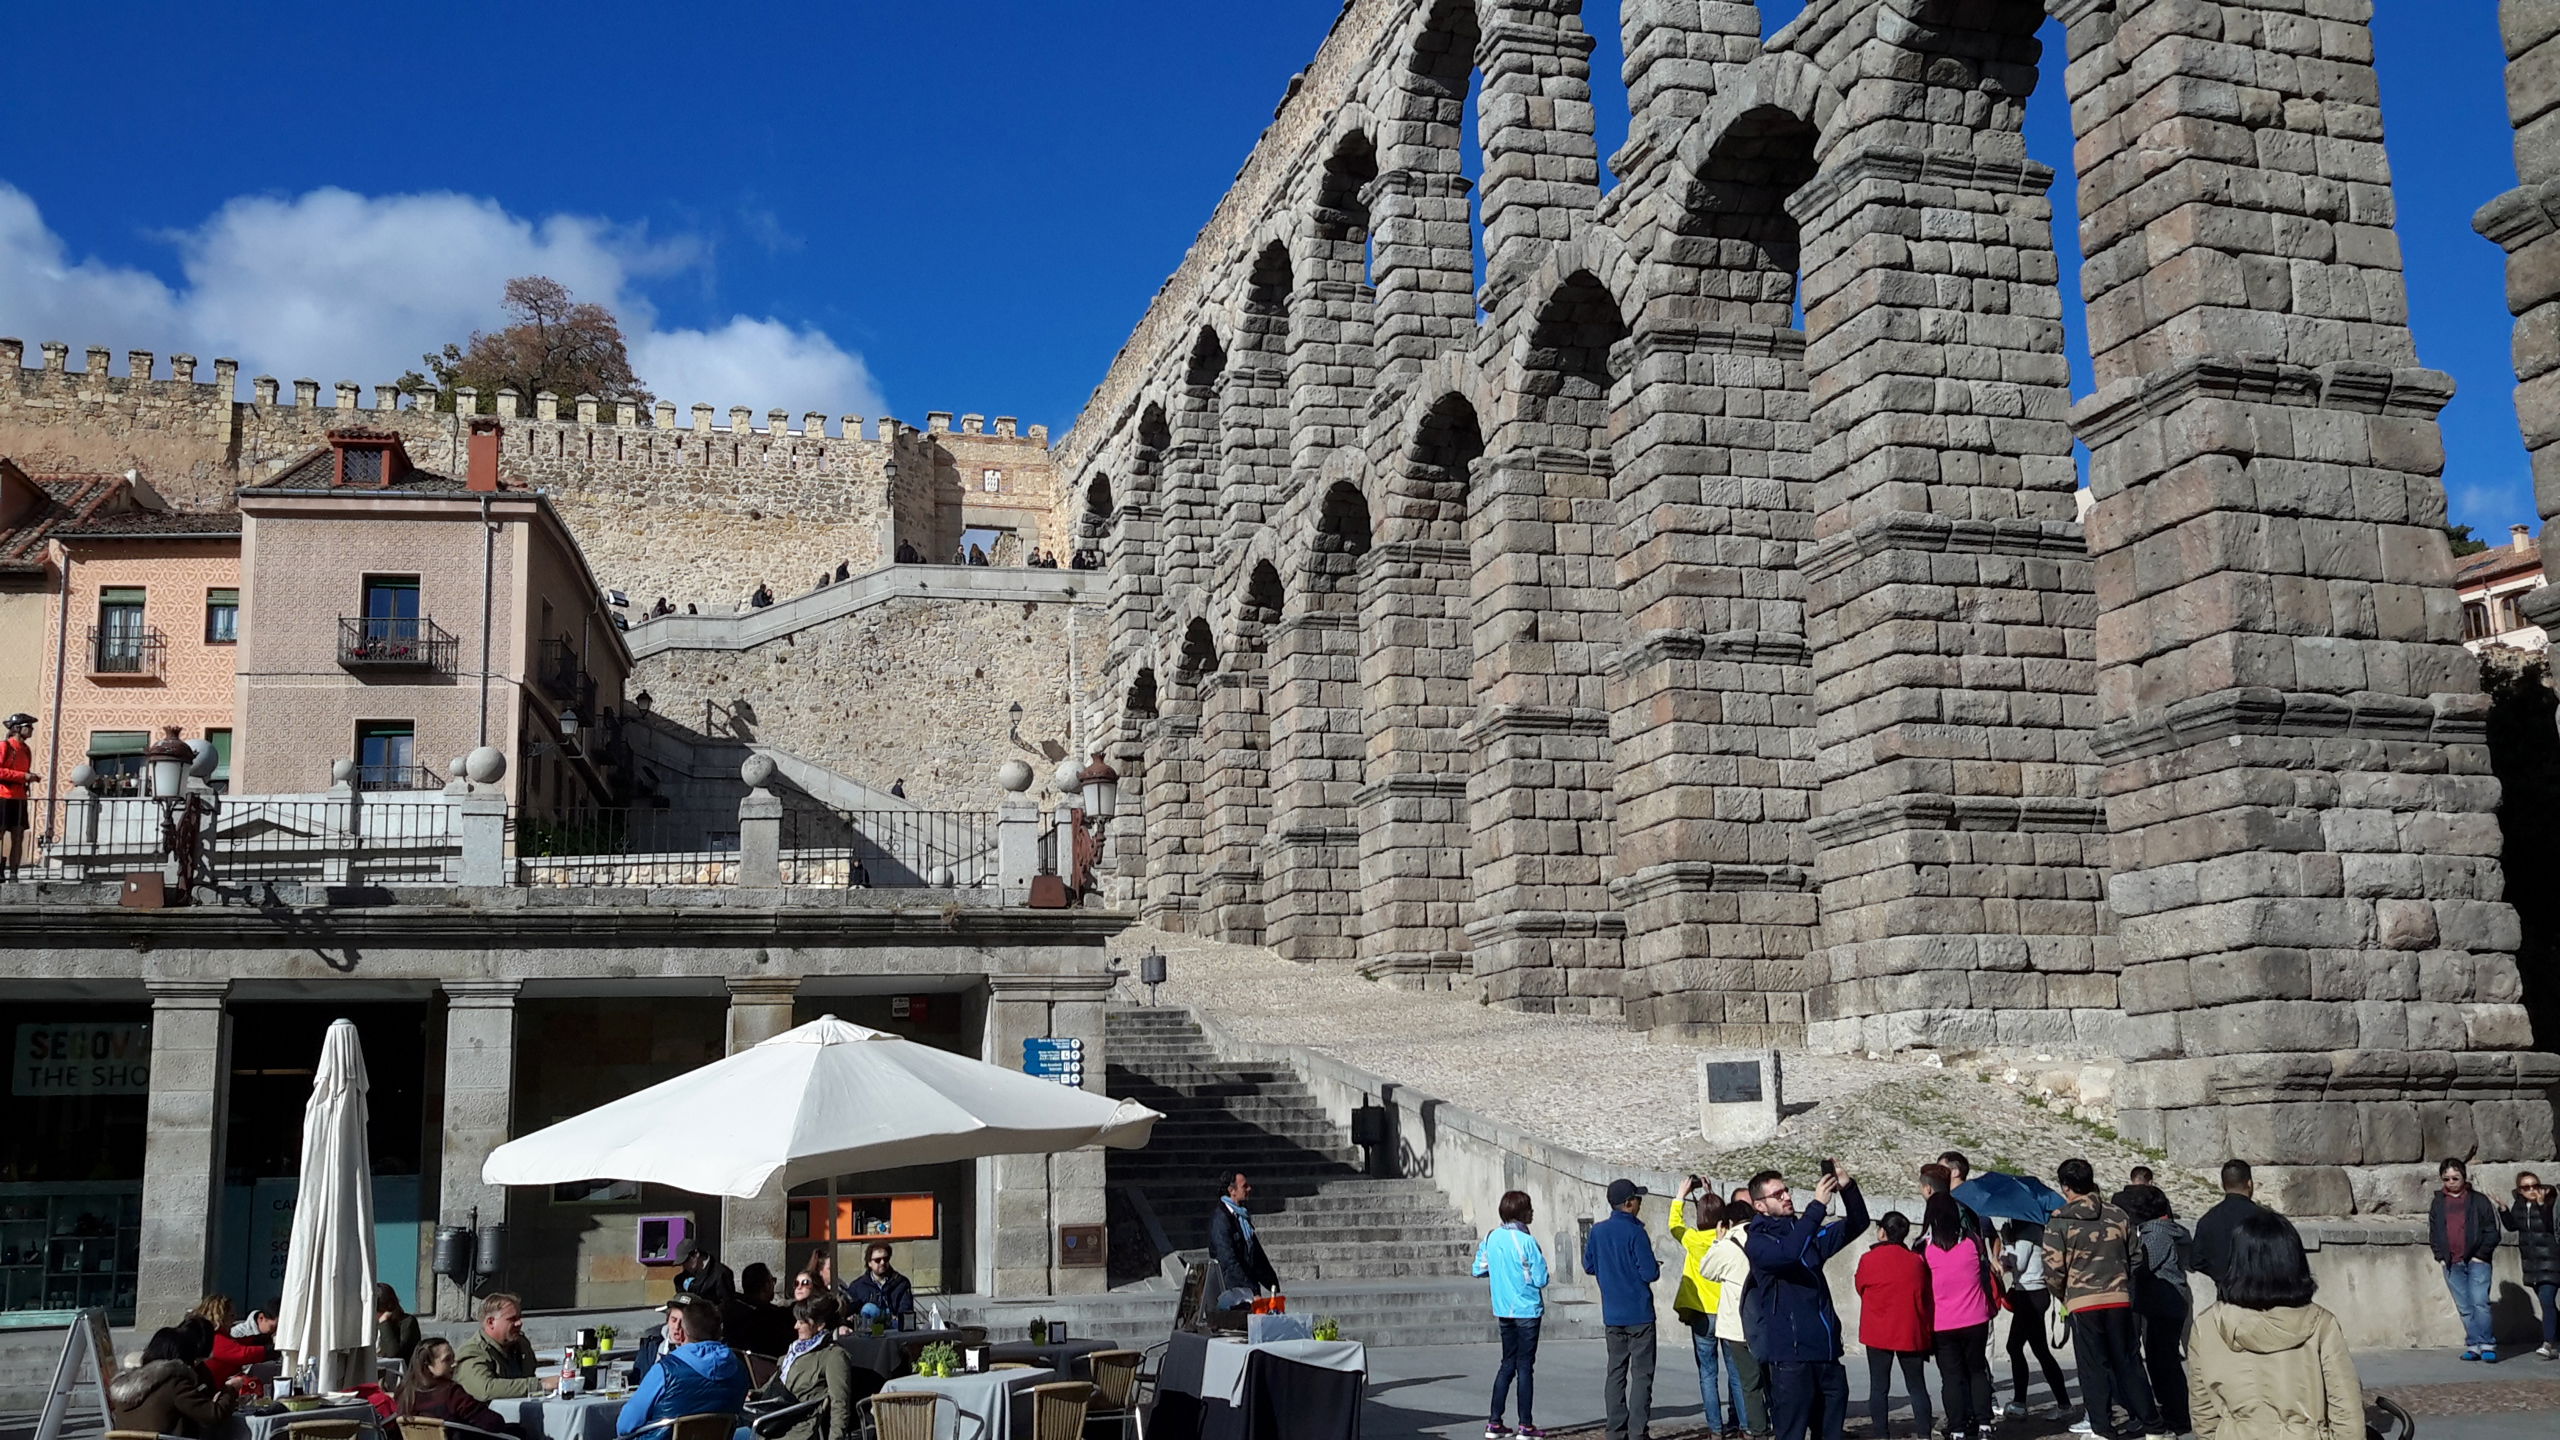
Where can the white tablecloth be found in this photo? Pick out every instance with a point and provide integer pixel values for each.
(580, 1417)
(1222, 1363)
(993, 1406)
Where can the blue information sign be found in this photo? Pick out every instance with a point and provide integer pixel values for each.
(1052, 1058)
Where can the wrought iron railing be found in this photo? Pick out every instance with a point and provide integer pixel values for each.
(625, 845)
(889, 847)
(397, 777)
(331, 840)
(127, 653)
(395, 642)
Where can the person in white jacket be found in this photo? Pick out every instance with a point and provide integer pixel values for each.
(1727, 1268)
(1516, 1269)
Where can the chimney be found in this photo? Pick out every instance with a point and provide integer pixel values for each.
(483, 477)
(2519, 538)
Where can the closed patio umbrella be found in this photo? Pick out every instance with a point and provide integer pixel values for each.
(827, 1098)
(327, 1311)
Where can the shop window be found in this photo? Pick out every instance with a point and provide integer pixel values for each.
(222, 616)
(387, 755)
(116, 756)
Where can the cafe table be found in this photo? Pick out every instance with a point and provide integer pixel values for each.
(995, 1405)
(1066, 1357)
(888, 1354)
(594, 1416)
(272, 1426)
(1221, 1388)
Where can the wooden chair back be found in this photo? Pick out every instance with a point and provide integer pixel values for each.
(133, 1435)
(902, 1414)
(322, 1429)
(1057, 1410)
(703, 1427)
(760, 1369)
(1115, 1377)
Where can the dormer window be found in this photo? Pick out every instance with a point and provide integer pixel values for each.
(367, 459)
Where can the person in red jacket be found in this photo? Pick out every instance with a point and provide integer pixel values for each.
(1894, 1323)
(17, 772)
(250, 1342)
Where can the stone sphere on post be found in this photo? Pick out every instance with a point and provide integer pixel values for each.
(1014, 776)
(486, 765)
(1067, 780)
(342, 771)
(84, 776)
(206, 762)
(757, 770)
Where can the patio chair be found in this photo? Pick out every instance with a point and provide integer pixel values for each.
(769, 1421)
(1115, 1388)
(760, 1369)
(323, 1429)
(900, 1414)
(707, 1426)
(138, 1435)
(1057, 1410)
(425, 1429)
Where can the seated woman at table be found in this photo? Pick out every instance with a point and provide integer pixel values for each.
(251, 1341)
(813, 1369)
(429, 1392)
(880, 1292)
(169, 1393)
(695, 1375)
(395, 1330)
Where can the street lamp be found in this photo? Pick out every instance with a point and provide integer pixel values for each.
(568, 724)
(1101, 787)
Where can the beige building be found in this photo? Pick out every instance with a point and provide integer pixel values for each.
(406, 617)
(2492, 585)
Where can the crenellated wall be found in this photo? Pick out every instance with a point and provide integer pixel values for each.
(698, 512)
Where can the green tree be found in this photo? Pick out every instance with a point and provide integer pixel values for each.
(2463, 541)
(556, 343)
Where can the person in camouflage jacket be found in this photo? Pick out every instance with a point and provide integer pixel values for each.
(2088, 1266)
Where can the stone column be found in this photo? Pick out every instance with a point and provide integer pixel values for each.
(1412, 802)
(1192, 463)
(760, 1007)
(479, 1108)
(2525, 222)
(1541, 165)
(1948, 606)
(1235, 734)
(2319, 969)
(1034, 1194)
(1173, 811)
(182, 1146)
(1311, 884)
(1253, 408)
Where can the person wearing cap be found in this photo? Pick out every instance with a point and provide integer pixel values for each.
(17, 772)
(1619, 1254)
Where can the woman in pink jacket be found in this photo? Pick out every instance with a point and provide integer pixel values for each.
(1961, 1308)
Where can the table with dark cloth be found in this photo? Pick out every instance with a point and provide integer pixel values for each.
(1065, 1357)
(888, 1356)
(1216, 1388)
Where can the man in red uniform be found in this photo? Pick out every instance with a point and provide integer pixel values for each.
(17, 772)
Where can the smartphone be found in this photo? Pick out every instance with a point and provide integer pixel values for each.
(1826, 1169)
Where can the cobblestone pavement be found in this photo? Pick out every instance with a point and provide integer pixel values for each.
(1593, 1086)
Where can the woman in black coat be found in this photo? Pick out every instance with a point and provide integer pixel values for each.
(2538, 1241)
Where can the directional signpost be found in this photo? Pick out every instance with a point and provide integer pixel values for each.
(1054, 1059)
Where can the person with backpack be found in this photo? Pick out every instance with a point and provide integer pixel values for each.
(2022, 1273)
(2161, 1301)
(1960, 1311)
(2088, 1263)
(2538, 1246)
(1893, 1322)
(2463, 1227)
(1516, 1268)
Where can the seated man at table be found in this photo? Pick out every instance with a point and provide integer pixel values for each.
(753, 1324)
(695, 1375)
(498, 1363)
(428, 1390)
(880, 1292)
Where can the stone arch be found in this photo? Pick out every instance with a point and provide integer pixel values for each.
(1425, 293)
(1786, 81)
(1595, 253)
(1455, 374)
(1193, 459)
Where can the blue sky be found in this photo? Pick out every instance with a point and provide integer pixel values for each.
(818, 206)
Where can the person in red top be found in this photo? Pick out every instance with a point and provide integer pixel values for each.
(251, 1342)
(1893, 1322)
(17, 772)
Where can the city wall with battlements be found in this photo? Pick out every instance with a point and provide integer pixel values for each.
(698, 512)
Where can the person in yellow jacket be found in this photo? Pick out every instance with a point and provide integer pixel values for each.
(1718, 1269)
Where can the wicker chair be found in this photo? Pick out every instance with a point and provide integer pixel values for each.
(1115, 1386)
(425, 1429)
(900, 1414)
(708, 1426)
(1057, 1410)
(322, 1429)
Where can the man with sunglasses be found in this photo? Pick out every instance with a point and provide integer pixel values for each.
(1787, 1312)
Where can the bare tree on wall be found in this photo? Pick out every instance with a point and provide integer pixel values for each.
(556, 343)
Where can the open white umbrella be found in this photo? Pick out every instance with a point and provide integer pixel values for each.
(327, 1311)
(825, 1099)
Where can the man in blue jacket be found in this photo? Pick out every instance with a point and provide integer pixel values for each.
(1787, 1314)
(696, 1375)
(1619, 1254)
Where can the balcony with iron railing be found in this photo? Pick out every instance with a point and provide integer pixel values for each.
(561, 671)
(407, 643)
(121, 653)
(397, 777)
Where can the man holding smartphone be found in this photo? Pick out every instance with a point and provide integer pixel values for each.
(1787, 1311)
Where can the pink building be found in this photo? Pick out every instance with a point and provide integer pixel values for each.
(403, 618)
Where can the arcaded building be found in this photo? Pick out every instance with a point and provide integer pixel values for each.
(1692, 620)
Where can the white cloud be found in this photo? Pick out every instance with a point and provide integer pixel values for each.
(332, 285)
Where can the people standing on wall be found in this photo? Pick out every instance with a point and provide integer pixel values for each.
(762, 597)
(1795, 1329)
(1235, 1252)
(1515, 1269)
(2022, 1270)
(2088, 1264)
(1694, 1304)
(844, 571)
(1961, 1307)
(1619, 1254)
(1892, 1282)
(1727, 1266)
(2268, 1362)
(2538, 1243)
(2160, 1298)
(2463, 1227)
(2214, 1227)
(977, 555)
(17, 773)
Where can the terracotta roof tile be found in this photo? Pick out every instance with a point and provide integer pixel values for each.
(154, 524)
(70, 500)
(315, 471)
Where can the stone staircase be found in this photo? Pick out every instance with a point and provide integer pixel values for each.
(1388, 1257)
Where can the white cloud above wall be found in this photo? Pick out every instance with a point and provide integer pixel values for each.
(333, 285)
